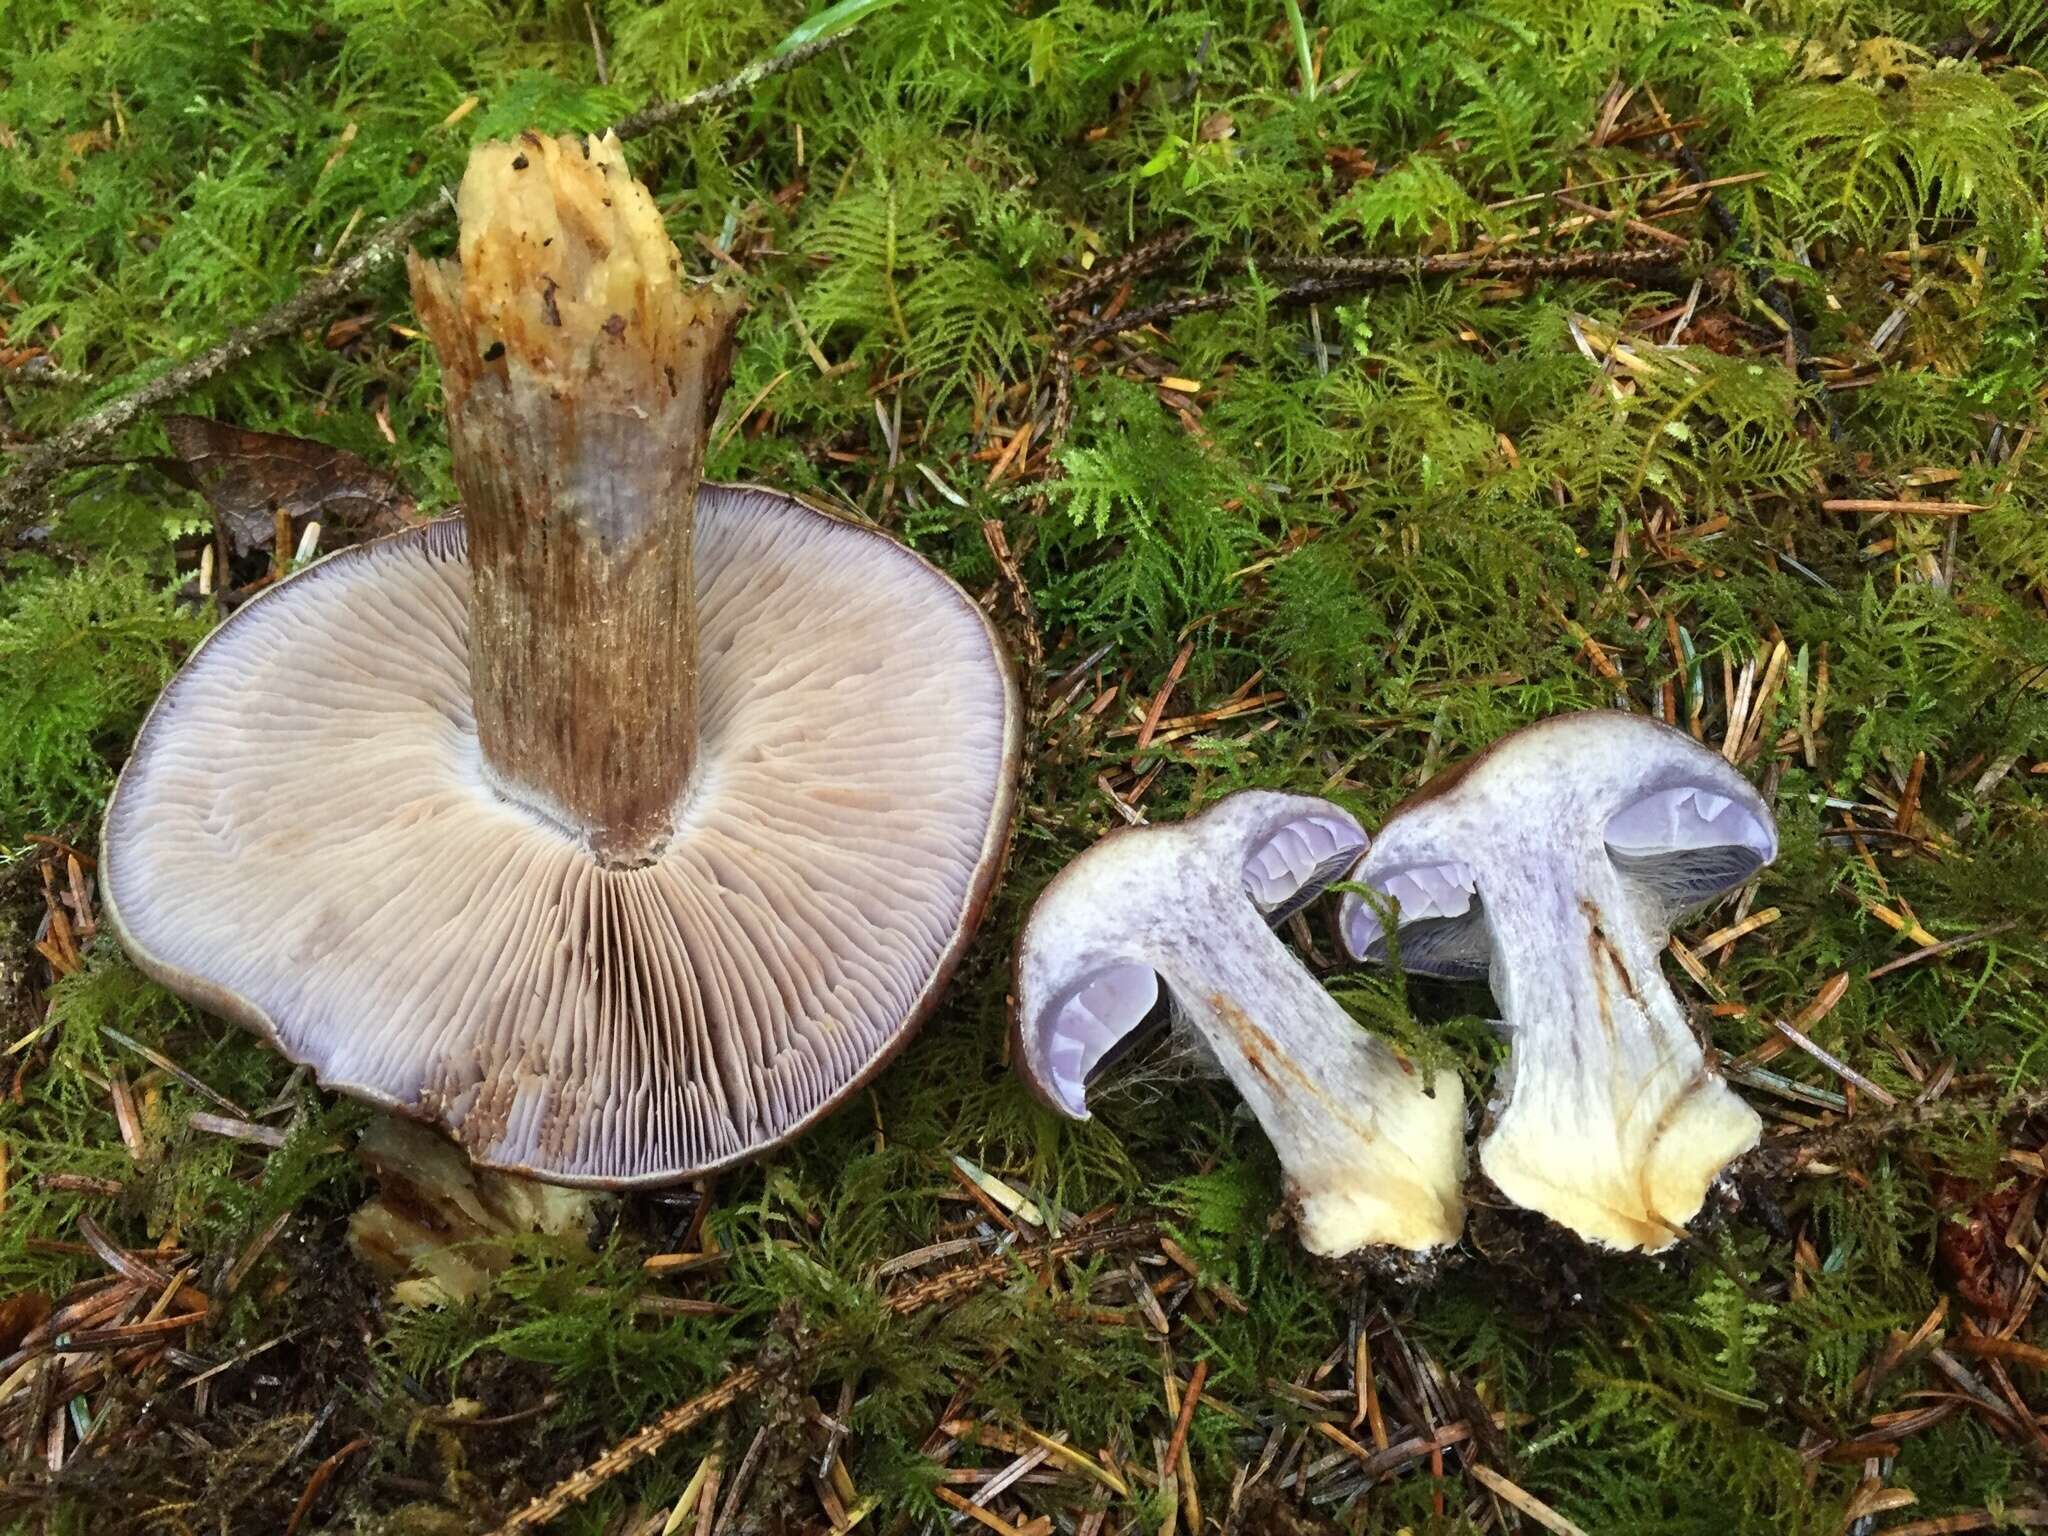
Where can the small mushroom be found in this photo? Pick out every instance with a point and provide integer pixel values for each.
(1553, 864)
(1372, 1156)
(621, 828)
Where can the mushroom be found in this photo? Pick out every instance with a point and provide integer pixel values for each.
(1553, 864)
(441, 1230)
(622, 827)
(1373, 1155)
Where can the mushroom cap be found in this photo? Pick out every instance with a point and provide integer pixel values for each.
(1086, 977)
(1678, 822)
(304, 841)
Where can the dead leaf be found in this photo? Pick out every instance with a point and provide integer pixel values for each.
(18, 1314)
(82, 144)
(1718, 331)
(249, 477)
(1349, 165)
(1971, 1242)
(347, 330)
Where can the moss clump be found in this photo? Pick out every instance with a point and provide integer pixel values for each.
(1385, 529)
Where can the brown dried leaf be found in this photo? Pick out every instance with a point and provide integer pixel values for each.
(1349, 165)
(348, 330)
(249, 477)
(1971, 1244)
(18, 1314)
(82, 144)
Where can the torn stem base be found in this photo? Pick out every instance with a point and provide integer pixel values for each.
(1612, 1123)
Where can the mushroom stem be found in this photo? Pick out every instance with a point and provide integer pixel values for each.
(1611, 1121)
(1371, 1155)
(581, 378)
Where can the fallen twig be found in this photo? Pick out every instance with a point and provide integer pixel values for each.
(661, 114)
(1832, 1144)
(1972, 1520)
(322, 1475)
(1138, 259)
(1769, 290)
(35, 469)
(1946, 946)
(1343, 275)
(1333, 277)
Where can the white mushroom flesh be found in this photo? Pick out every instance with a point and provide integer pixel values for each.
(1373, 1156)
(1562, 856)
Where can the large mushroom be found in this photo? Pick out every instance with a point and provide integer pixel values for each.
(1374, 1157)
(1553, 864)
(623, 827)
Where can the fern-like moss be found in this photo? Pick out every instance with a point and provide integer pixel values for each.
(1407, 521)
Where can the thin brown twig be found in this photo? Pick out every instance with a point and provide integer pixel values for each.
(661, 114)
(1138, 259)
(1190, 1395)
(1029, 638)
(1737, 245)
(1946, 946)
(1343, 275)
(1331, 277)
(1972, 1520)
(1847, 1138)
(35, 469)
(1451, 263)
(322, 1474)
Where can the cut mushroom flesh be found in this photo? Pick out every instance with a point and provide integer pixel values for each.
(1084, 1026)
(1372, 1155)
(1290, 866)
(1553, 864)
(1285, 868)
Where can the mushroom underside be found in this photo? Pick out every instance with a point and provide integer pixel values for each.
(305, 840)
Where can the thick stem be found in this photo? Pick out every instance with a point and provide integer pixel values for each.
(1613, 1123)
(1372, 1157)
(581, 378)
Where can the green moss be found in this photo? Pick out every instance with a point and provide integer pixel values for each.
(83, 651)
(1403, 513)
